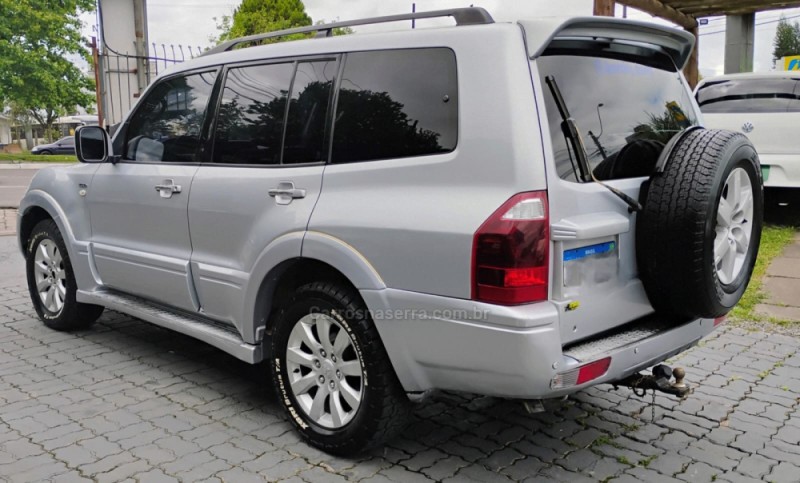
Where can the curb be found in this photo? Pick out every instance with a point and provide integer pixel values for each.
(24, 165)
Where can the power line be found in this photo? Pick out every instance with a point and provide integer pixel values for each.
(757, 24)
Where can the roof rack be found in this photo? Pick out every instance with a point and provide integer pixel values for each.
(462, 16)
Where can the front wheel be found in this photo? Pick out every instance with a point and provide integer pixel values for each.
(332, 372)
(51, 281)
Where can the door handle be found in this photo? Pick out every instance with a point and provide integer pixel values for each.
(285, 192)
(167, 188)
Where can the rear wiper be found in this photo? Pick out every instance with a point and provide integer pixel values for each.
(570, 129)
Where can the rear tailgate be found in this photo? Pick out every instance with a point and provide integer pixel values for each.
(627, 99)
(770, 133)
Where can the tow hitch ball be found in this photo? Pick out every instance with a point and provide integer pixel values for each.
(658, 381)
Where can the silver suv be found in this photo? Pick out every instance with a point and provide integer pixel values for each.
(520, 210)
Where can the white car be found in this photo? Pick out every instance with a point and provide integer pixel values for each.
(766, 108)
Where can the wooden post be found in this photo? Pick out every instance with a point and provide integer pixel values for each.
(97, 84)
(691, 70)
(604, 8)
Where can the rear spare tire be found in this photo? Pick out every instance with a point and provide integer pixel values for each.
(697, 237)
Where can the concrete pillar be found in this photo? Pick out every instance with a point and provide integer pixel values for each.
(739, 41)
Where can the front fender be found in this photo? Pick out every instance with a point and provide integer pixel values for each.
(78, 250)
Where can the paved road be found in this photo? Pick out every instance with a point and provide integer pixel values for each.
(13, 183)
(128, 399)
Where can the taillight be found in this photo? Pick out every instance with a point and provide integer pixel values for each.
(511, 252)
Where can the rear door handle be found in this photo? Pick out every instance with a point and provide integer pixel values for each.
(167, 188)
(285, 192)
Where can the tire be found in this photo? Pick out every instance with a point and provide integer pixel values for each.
(46, 249)
(357, 426)
(45, 151)
(682, 233)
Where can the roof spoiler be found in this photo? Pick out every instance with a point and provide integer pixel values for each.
(676, 43)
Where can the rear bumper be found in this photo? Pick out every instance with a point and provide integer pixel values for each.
(781, 170)
(452, 344)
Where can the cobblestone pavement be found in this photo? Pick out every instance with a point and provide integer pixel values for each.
(8, 221)
(130, 400)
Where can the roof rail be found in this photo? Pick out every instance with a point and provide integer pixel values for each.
(462, 16)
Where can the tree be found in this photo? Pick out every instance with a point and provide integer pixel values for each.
(36, 75)
(259, 16)
(787, 39)
(262, 16)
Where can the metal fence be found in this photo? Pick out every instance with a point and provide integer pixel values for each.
(122, 77)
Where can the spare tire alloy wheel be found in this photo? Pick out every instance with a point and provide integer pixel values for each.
(734, 226)
(325, 377)
(697, 237)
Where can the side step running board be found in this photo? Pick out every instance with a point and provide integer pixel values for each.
(209, 331)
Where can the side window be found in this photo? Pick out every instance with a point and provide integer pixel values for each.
(167, 125)
(308, 109)
(396, 103)
(249, 124)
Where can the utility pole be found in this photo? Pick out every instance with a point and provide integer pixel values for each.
(413, 20)
(140, 44)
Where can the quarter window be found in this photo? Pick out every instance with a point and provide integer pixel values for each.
(396, 103)
(167, 125)
(249, 125)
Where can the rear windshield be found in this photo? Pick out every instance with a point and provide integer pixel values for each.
(625, 112)
(750, 95)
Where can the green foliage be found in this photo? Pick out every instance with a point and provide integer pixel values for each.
(261, 16)
(36, 37)
(787, 39)
(773, 240)
(37, 158)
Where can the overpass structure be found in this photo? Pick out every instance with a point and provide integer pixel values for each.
(739, 28)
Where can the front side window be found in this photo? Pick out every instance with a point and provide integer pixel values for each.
(396, 103)
(750, 95)
(249, 125)
(168, 123)
(626, 110)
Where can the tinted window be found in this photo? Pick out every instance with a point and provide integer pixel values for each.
(167, 124)
(68, 141)
(625, 112)
(308, 110)
(396, 103)
(249, 125)
(750, 95)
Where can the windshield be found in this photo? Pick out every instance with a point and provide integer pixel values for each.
(625, 111)
(780, 94)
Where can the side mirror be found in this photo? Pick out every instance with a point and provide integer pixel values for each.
(93, 144)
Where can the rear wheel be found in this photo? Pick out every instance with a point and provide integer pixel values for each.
(332, 372)
(51, 281)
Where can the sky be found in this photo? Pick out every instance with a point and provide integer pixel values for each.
(191, 22)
